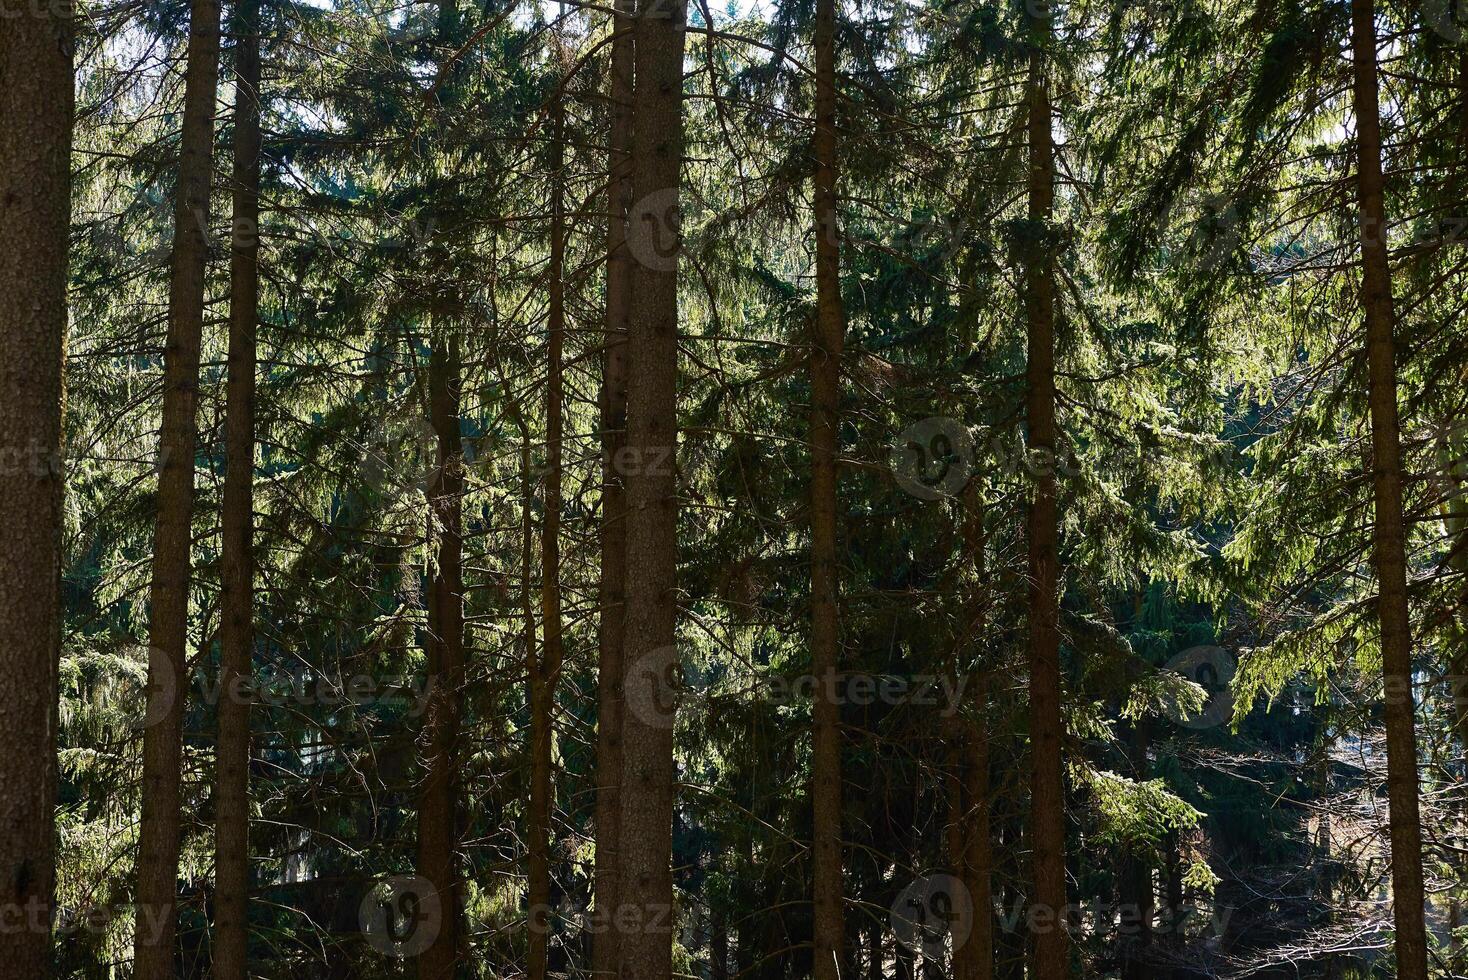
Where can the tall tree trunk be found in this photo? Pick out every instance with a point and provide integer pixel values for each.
(645, 894)
(168, 600)
(969, 845)
(1408, 899)
(718, 948)
(1173, 913)
(1136, 877)
(1047, 781)
(236, 634)
(438, 805)
(829, 931)
(1045, 722)
(610, 662)
(36, 100)
(545, 669)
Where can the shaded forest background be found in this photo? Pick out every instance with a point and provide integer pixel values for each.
(979, 326)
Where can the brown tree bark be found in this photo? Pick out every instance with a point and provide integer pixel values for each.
(168, 600)
(970, 850)
(613, 566)
(1390, 553)
(645, 899)
(1047, 778)
(828, 927)
(438, 804)
(718, 949)
(36, 102)
(236, 628)
(545, 669)
(1136, 877)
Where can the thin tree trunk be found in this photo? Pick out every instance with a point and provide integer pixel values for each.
(236, 637)
(970, 848)
(829, 930)
(1047, 786)
(718, 949)
(546, 668)
(168, 600)
(438, 805)
(1173, 914)
(610, 663)
(1408, 899)
(1136, 878)
(977, 954)
(36, 101)
(646, 890)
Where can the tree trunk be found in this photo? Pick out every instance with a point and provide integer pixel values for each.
(1408, 899)
(1173, 914)
(1047, 785)
(36, 100)
(610, 663)
(438, 826)
(969, 846)
(828, 928)
(236, 635)
(546, 668)
(718, 949)
(168, 599)
(645, 896)
(1136, 878)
